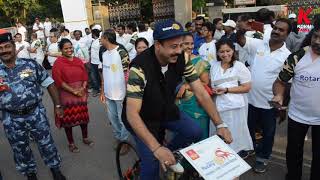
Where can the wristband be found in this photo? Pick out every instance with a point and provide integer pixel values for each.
(156, 149)
(222, 125)
(227, 90)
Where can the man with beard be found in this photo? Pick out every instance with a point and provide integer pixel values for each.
(21, 82)
(150, 104)
(268, 58)
(303, 67)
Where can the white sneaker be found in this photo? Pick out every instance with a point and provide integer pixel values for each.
(177, 168)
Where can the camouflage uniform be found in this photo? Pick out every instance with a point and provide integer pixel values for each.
(25, 82)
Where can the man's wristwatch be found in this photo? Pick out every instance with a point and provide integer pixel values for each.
(58, 106)
(222, 125)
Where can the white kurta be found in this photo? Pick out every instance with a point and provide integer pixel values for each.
(232, 107)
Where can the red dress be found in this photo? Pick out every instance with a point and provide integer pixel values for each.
(75, 108)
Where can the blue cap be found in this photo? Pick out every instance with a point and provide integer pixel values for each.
(167, 29)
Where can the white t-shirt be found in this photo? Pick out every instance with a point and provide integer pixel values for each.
(305, 98)
(24, 53)
(131, 47)
(148, 36)
(22, 30)
(38, 55)
(124, 39)
(239, 73)
(207, 51)
(53, 48)
(47, 28)
(265, 68)
(267, 32)
(113, 75)
(218, 34)
(81, 50)
(40, 33)
(95, 47)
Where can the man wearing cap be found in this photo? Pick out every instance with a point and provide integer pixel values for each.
(229, 26)
(21, 82)
(150, 105)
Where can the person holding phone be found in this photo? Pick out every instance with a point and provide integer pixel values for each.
(304, 112)
(266, 63)
(230, 80)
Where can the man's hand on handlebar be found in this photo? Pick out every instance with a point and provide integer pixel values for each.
(165, 157)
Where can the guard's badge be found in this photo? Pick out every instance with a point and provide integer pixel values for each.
(26, 73)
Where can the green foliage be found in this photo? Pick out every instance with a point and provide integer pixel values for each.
(26, 10)
(197, 4)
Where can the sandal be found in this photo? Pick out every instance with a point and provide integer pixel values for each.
(88, 142)
(73, 148)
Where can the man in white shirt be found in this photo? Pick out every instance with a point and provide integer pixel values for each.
(95, 62)
(268, 58)
(81, 50)
(39, 29)
(303, 67)
(145, 34)
(115, 67)
(22, 30)
(47, 27)
(122, 37)
(53, 49)
(217, 22)
(207, 50)
(132, 30)
(22, 47)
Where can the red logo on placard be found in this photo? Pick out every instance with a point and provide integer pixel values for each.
(192, 154)
(303, 16)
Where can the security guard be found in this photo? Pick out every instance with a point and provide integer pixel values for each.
(21, 82)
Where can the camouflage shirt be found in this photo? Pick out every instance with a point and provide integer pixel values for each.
(137, 81)
(287, 71)
(24, 82)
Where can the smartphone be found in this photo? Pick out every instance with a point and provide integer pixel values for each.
(275, 104)
(257, 26)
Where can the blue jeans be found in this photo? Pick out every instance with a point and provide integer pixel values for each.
(267, 119)
(186, 132)
(95, 77)
(114, 115)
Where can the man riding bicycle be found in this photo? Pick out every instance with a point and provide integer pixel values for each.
(150, 106)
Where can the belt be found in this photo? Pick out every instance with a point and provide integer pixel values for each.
(23, 111)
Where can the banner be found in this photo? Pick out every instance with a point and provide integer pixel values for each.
(215, 160)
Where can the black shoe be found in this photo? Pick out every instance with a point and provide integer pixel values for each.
(32, 176)
(57, 175)
(0, 176)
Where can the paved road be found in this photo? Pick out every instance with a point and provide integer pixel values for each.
(98, 163)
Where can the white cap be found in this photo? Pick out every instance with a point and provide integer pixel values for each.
(292, 16)
(230, 23)
(97, 26)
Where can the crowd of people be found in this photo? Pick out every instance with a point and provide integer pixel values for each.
(227, 78)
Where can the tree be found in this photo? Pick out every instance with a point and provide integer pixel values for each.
(15, 9)
(198, 4)
(26, 10)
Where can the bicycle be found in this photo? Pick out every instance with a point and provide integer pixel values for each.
(128, 166)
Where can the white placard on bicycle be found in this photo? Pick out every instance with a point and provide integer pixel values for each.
(215, 160)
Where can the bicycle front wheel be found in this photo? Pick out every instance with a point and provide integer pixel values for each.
(128, 162)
